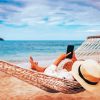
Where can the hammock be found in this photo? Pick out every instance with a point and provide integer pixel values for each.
(89, 49)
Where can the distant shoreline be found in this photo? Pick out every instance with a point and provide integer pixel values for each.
(1, 39)
(46, 40)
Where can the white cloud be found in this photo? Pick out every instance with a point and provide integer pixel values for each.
(68, 12)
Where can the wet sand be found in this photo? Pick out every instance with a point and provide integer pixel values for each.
(14, 89)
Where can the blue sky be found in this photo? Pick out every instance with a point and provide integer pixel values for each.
(49, 19)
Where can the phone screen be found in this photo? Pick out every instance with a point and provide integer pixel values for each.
(70, 48)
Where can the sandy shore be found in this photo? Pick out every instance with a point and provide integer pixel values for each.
(15, 89)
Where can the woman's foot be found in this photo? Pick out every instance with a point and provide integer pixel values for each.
(34, 66)
(33, 63)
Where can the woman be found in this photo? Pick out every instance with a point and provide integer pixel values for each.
(52, 70)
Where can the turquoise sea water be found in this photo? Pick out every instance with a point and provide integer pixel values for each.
(19, 51)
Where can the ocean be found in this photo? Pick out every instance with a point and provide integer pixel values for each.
(45, 52)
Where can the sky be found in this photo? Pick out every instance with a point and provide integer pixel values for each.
(49, 19)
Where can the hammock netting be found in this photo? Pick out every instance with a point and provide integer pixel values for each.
(90, 49)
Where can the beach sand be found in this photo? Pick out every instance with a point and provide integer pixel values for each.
(14, 89)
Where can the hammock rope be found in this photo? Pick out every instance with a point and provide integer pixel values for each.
(89, 49)
(47, 83)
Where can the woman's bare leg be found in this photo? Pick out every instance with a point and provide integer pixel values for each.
(35, 66)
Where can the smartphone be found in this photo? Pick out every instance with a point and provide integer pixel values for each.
(70, 48)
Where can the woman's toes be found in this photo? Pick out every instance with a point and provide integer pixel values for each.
(31, 58)
(36, 63)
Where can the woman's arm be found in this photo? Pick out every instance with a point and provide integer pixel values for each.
(68, 65)
(60, 58)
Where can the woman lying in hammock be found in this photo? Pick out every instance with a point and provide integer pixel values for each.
(53, 69)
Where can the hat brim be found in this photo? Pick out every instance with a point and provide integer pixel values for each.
(85, 85)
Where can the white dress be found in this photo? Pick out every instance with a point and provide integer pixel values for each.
(55, 71)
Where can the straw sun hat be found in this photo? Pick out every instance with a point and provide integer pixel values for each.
(87, 73)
